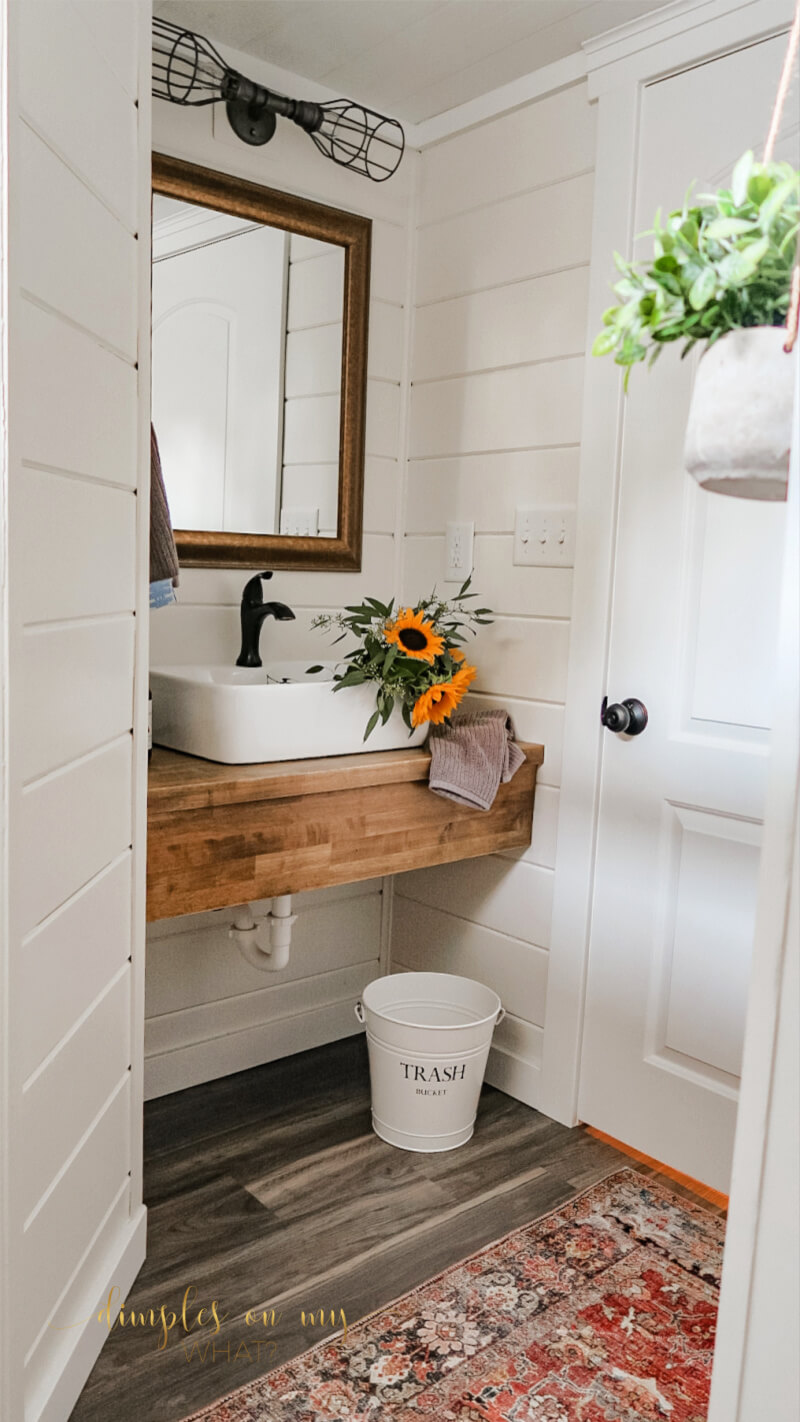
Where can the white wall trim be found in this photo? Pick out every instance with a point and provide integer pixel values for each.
(120, 1271)
(729, 27)
(771, 947)
(6, 1299)
(677, 37)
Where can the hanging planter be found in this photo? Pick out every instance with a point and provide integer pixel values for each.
(725, 274)
(740, 422)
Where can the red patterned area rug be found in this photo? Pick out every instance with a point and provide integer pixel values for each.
(603, 1311)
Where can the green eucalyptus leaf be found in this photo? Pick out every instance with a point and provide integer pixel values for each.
(741, 177)
(702, 288)
(371, 724)
(726, 227)
(605, 341)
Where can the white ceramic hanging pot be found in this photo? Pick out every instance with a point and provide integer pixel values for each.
(740, 420)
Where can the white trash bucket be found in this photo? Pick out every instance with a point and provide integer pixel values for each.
(428, 1036)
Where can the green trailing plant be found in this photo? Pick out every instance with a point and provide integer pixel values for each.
(722, 263)
(413, 656)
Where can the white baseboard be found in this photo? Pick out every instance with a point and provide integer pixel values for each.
(192, 1064)
(54, 1404)
(518, 1078)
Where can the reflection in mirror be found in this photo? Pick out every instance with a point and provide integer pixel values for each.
(247, 358)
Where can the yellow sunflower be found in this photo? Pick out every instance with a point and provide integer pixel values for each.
(414, 636)
(463, 678)
(437, 703)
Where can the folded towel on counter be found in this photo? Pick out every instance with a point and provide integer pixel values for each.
(471, 754)
(163, 555)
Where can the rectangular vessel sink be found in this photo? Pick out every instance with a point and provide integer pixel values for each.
(243, 715)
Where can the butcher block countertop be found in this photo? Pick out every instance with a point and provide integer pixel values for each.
(228, 834)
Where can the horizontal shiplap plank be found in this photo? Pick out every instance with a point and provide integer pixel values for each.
(313, 361)
(431, 940)
(192, 924)
(76, 953)
(89, 274)
(63, 368)
(380, 494)
(532, 146)
(389, 262)
(316, 291)
(509, 325)
(59, 1106)
(487, 488)
(537, 232)
(95, 131)
(311, 430)
(113, 31)
(538, 722)
(312, 486)
(59, 849)
(77, 543)
(502, 409)
(385, 354)
(513, 899)
(532, 592)
(383, 419)
(62, 1230)
(187, 970)
(522, 657)
(542, 848)
(238, 1051)
(270, 1003)
(78, 690)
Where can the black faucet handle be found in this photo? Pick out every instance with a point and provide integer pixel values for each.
(252, 595)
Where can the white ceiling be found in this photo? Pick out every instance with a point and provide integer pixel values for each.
(408, 58)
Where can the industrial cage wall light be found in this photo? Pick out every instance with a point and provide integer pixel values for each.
(187, 69)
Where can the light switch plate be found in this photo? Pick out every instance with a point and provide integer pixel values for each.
(458, 552)
(300, 523)
(544, 537)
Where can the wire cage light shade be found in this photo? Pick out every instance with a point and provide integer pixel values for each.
(188, 70)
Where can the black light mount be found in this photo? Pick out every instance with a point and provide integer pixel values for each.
(188, 70)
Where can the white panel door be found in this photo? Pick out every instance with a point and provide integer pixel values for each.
(219, 327)
(693, 636)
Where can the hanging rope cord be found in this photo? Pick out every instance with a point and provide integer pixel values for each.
(793, 314)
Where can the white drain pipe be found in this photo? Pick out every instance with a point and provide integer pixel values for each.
(274, 955)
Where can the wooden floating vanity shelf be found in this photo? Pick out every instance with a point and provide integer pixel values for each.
(229, 834)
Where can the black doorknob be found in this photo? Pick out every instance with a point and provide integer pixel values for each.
(629, 716)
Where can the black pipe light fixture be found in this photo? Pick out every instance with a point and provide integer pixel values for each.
(187, 69)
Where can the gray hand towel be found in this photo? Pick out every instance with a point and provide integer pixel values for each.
(471, 755)
(163, 556)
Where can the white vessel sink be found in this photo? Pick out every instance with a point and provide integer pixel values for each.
(243, 715)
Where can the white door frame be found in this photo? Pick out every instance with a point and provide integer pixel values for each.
(759, 1125)
(620, 64)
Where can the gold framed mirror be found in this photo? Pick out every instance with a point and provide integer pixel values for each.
(260, 317)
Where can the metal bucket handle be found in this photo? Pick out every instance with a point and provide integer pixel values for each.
(359, 1011)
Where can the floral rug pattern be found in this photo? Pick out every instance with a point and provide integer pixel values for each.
(603, 1311)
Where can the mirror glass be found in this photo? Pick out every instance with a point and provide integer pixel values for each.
(247, 369)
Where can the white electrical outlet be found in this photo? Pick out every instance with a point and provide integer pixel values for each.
(300, 523)
(458, 554)
(545, 537)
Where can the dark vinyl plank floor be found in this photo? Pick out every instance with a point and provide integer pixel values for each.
(268, 1190)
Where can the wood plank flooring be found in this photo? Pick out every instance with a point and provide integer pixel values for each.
(268, 1189)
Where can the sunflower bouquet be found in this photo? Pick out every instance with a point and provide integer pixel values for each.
(414, 655)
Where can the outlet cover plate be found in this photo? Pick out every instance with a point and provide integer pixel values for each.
(544, 536)
(300, 522)
(458, 552)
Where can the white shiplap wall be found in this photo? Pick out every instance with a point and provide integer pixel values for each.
(501, 289)
(207, 1011)
(77, 479)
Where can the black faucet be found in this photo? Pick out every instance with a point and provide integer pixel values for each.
(253, 612)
